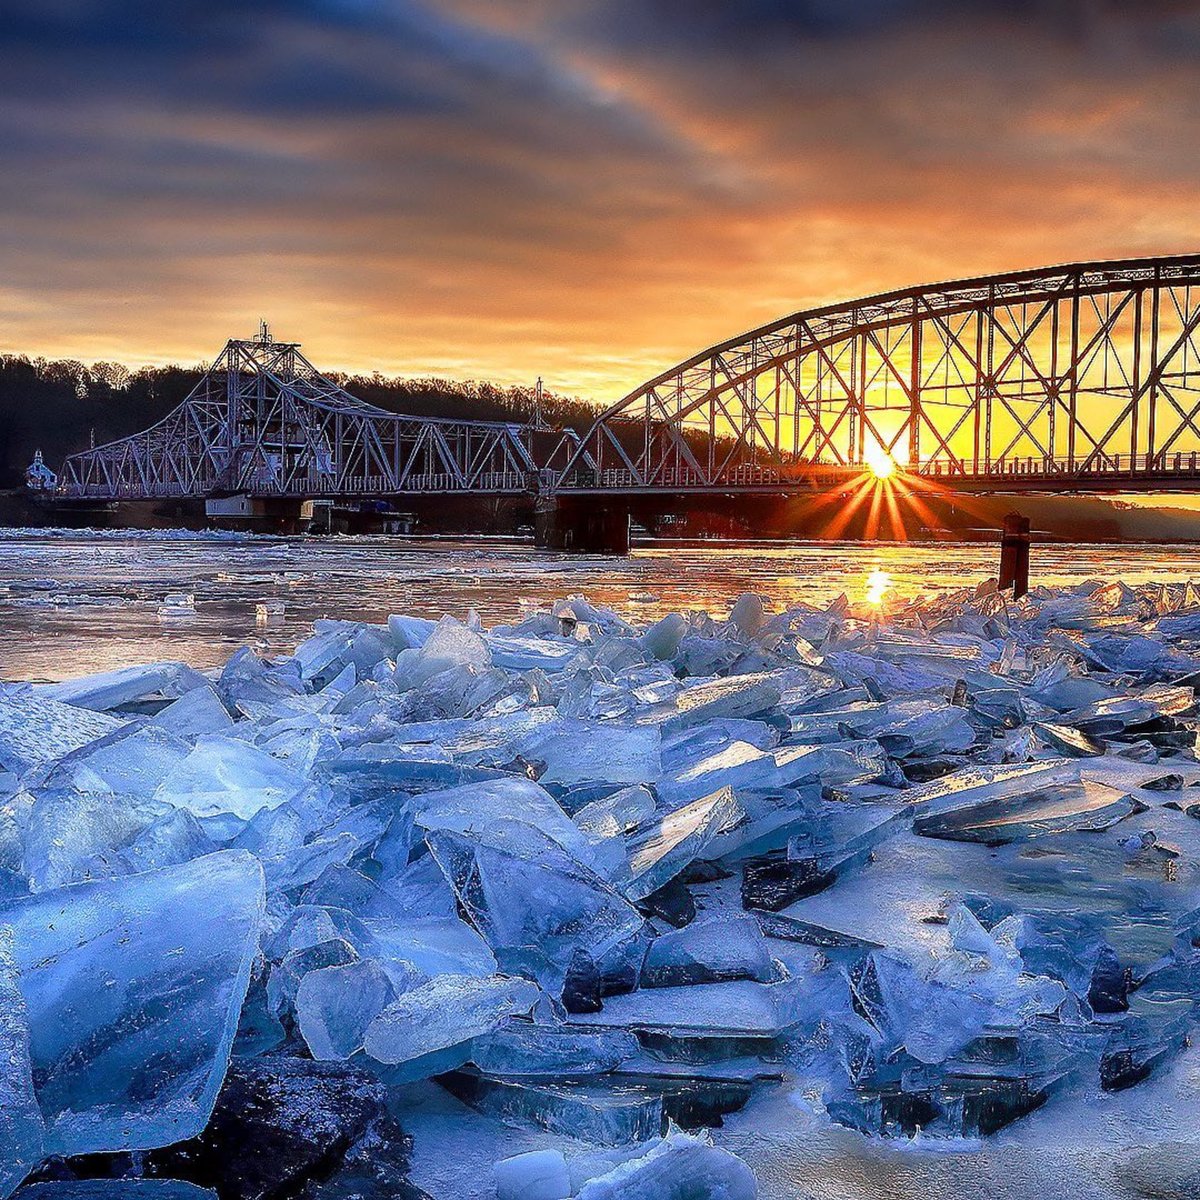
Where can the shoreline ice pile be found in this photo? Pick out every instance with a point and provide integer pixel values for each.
(921, 868)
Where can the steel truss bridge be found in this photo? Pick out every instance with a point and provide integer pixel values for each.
(1074, 378)
(1079, 378)
(264, 422)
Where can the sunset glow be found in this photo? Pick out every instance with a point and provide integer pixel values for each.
(587, 192)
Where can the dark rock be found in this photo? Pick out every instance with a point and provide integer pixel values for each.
(373, 1169)
(773, 881)
(791, 929)
(672, 903)
(280, 1125)
(703, 872)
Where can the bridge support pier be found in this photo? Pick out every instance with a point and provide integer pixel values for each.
(1014, 554)
(582, 525)
(263, 514)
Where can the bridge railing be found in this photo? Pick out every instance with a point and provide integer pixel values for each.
(1095, 465)
(306, 488)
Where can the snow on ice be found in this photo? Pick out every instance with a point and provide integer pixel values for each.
(928, 868)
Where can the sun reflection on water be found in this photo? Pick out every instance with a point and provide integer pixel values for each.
(879, 584)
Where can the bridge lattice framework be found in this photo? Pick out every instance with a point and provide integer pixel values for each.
(1080, 377)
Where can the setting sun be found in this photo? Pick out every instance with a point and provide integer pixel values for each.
(880, 463)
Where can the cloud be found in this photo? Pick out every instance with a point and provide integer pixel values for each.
(586, 190)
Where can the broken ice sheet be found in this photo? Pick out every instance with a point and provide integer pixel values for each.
(222, 775)
(470, 809)
(443, 1013)
(662, 846)
(153, 685)
(35, 731)
(583, 753)
(71, 835)
(133, 988)
(526, 1050)
(727, 1009)
(709, 951)
(681, 1165)
(335, 1005)
(604, 1113)
(740, 765)
(1055, 808)
(532, 901)
(22, 1131)
(731, 696)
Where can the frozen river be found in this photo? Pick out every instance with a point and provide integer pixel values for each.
(75, 602)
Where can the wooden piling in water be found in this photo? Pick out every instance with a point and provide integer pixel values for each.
(1014, 554)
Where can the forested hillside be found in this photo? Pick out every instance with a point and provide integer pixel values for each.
(59, 406)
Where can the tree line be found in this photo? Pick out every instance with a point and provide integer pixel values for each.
(62, 405)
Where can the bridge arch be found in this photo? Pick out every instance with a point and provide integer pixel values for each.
(1067, 374)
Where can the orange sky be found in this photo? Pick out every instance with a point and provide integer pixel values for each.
(588, 191)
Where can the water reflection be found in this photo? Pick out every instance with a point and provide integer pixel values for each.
(74, 603)
(879, 584)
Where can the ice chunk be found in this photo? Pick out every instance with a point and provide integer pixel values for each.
(196, 712)
(177, 606)
(21, 1128)
(154, 684)
(253, 686)
(618, 813)
(732, 696)
(35, 731)
(680, 1167)
(132, 761)
(410, 632)
(659, 849)
(612, 1115)
(221, 775)
(748, 614)
(451, 646)
(335, 1005)
(133, 988)
(537, 1175)
(445, 1013)
(531, 900)
(707, 952)
(585, 753)
(523, 1050)
(269, 610)
(514, 653)
(430, 947)
(734, 1008)
(741, 765)
(67, 830)
(470, 809)
(662, 639)
(1083, 805)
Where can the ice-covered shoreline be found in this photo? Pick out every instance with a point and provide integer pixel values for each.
(926, 867)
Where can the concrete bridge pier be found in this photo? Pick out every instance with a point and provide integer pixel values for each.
(582, 524)
(262, 514)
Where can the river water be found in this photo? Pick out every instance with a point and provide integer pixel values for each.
(74, 602)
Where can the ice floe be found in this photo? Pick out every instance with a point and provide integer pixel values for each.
(928, 868)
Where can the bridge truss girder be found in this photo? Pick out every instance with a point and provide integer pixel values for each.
(1062, 374)
(262, 421)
